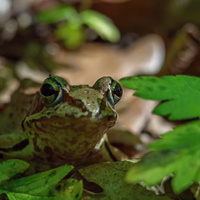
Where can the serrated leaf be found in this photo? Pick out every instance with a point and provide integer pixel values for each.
(44, 186)
(176, 153)
(181, 94)
(57, 14)
(101, 24)
(11, 168)
(110, 177)
(71, 33)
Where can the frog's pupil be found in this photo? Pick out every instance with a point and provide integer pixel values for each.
(118, 90)
(47, 90)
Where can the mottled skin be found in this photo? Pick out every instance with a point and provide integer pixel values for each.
(61, 125)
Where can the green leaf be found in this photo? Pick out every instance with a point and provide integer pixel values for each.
(180, 94)
(71, 33)
(38, 183)
(110, 177)
(11, 168)
(70, 190)
(21, 196)
(101, 24)
(44, 186)
(57, 14)
(176, 153)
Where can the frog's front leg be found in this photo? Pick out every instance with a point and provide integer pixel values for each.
(15, 145)
(105, 152)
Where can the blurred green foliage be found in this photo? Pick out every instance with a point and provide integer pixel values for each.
(71, 28)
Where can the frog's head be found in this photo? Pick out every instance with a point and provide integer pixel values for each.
(69, 121)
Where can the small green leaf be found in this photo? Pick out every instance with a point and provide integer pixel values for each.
(11, 168)
(180, 94)
(38, 183)
(176, 153)
(57, 14)
(71, 33)
(110, 177)
(44, 186)
(70, 190)
(101, 24)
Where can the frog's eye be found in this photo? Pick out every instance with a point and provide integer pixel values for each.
(114, 93)
(111, 88)
(51, 91)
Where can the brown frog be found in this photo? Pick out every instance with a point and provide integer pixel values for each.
(60, 123)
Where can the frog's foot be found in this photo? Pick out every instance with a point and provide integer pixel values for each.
(105, 152)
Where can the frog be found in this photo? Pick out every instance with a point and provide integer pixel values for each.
(60, 123)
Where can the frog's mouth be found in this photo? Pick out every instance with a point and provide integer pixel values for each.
(69, 137)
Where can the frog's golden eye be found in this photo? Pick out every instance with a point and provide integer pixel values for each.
(115, 92)
(51, 90)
